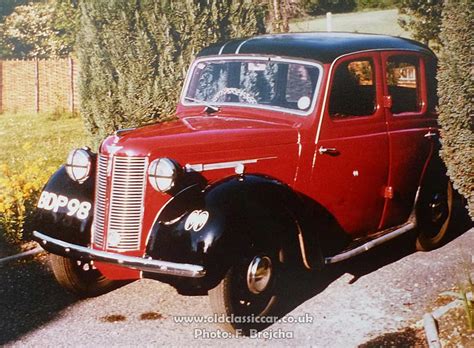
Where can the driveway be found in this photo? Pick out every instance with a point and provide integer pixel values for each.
(348, 304)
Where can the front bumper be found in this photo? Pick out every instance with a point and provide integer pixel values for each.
(141, 264)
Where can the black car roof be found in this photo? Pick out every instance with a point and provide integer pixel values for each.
(320, 46)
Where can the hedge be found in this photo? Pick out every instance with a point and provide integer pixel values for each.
(456, 92)
(134, 54)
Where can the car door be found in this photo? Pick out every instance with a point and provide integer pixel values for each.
(412, 129)
(350, 168)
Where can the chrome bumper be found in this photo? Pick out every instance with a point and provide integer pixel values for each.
(141, 264)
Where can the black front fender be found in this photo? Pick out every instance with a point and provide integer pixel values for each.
(214, 227)
(65, 209)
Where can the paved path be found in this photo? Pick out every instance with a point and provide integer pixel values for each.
(350, 303)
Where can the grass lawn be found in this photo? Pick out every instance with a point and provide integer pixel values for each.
(377, 22)
(28, 137)
(32, 147)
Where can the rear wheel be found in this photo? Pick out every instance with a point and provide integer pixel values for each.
(434, 211)
(247, 294)
(80, 277)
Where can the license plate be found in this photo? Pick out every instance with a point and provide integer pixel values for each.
(58, 203)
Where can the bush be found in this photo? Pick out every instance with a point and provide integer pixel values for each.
(365, 4)
(134, 54)
(423, 19)
(19, 192)
(456, 91)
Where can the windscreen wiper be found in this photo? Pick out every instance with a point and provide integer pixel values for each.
(209, 107)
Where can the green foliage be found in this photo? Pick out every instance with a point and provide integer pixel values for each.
(423, 19)
(8, 6)
(19, 192)
(66, 21)
(32, 146)
(456, 91)
(134, 54)
(317, 7)
(365, 4)
(466, 290)
(39, 30)
(468, 305)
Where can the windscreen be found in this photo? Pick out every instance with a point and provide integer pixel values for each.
(266, 83)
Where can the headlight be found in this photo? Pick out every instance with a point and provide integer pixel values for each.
(162, 174)
(78, 165)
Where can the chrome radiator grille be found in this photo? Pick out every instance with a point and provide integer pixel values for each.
(100, 203)
(126, 203)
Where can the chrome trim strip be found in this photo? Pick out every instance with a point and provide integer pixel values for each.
(199, 167)
(304, 255)
(222, 48)
(141, 264)
(240, 45)
(100, 208)
(408, 226)
(123, 130)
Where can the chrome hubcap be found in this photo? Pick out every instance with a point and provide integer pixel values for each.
(259, 274)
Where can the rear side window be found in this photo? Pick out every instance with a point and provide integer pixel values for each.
(353, 89)
(403, 81)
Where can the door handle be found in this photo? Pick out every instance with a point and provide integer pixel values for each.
(430, 134)
(328, 151)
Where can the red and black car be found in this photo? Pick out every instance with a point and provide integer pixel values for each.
(287, 149)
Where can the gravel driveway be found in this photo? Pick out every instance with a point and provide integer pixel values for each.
(346, 305)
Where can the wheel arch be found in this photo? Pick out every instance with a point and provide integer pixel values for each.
(240, 210)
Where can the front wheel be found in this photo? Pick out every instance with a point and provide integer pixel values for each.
(246, 296)
(80, 277)
(434, 212)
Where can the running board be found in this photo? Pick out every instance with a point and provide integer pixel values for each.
(408, 226)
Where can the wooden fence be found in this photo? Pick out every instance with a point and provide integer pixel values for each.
(39, 85)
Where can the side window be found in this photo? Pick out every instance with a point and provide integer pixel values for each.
(404, 83)
(353, 89)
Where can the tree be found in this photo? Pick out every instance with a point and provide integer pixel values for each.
(8, 6)
(423, 19)
(134, 54)
(456, 91)
(278, 15)
(39, 30)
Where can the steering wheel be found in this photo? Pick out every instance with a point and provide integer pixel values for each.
(243, 95)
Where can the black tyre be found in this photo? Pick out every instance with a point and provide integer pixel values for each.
(248, 292)
(434, 213)
(80, 277)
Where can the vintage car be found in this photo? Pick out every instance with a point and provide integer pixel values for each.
(293, 149)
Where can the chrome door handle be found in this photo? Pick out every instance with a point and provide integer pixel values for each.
(328, 150)
(430, 135)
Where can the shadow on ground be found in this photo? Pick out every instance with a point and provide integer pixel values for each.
(310, 284)
(407, 337)
(29, 298)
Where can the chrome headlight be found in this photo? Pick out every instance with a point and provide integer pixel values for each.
(162, 174)
(78, 165)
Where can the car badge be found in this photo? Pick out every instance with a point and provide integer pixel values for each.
(112, 149)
